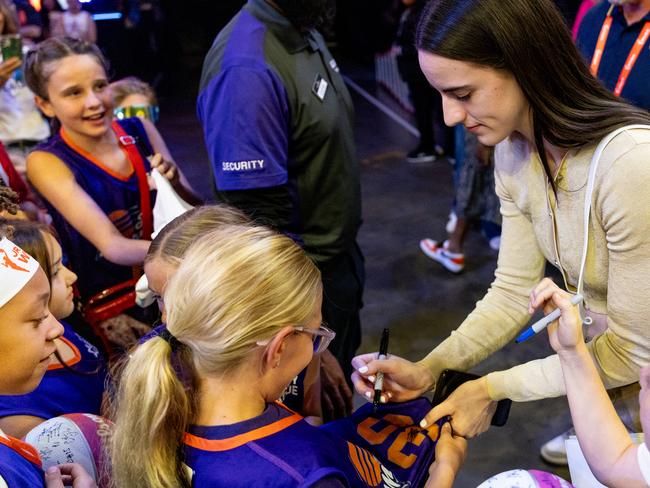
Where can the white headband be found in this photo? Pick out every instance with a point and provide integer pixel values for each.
(16, 269)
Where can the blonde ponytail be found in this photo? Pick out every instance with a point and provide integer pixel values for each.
(153, 412)
(236, 286)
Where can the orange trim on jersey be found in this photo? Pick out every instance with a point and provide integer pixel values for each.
(23, 449)
(366, 465)
(282, 405)
(216, 445)
(71, 362)
(94, 160)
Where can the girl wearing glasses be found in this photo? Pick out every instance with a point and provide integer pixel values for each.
(243, 319)
(165, 255)
(198, 402)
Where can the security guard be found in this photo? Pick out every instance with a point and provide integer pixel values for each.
(278, 124)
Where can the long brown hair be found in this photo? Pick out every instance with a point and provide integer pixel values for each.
(528, 38)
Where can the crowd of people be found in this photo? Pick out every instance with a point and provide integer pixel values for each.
(225, 334)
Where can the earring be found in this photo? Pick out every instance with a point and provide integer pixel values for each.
(277, 363)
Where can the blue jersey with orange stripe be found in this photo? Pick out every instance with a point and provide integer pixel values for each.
(63, 391)
(279, 448)
(20, 464)
(118, 196)
(392, 434)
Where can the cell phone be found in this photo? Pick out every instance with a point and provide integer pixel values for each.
(451, 379)
(11, 46)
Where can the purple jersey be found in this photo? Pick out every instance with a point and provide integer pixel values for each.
(279, 448)
(119, 198)
(62, 391)
(393, 435)
(20, 465)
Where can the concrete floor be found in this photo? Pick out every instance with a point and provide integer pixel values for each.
(406, 291)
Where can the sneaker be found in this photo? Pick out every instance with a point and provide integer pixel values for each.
(420, 156)
(554, 451)
(454, 262)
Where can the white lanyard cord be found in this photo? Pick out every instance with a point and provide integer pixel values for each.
(587, 208)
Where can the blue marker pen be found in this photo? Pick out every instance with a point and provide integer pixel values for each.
(544, 322)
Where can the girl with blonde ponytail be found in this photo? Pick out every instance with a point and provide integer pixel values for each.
(197, 403)
(165, 255)
(236, 289)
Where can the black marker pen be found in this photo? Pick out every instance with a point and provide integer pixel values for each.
(379, 380)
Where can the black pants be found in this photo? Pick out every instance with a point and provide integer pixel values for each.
(429, 117)
(343, 282)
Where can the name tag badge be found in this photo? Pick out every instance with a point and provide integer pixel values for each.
(319, 87)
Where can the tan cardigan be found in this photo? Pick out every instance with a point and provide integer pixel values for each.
(536, 228)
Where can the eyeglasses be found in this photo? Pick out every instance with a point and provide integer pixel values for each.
(321, 337)
(150, 112)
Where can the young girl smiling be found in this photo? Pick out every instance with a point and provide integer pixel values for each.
(27, 334)
(75, 380)
(91, 173)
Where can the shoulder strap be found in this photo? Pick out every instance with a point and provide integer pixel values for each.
(134, 127)
(128, 144)
(595, 160)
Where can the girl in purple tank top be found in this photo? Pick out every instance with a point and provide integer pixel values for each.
(27, 334)
(74, 381)
(91, 172)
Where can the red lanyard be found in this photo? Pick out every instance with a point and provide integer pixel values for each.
(631, 58)
(128, 144)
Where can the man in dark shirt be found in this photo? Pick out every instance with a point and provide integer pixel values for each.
(628, 36)
(278, 124)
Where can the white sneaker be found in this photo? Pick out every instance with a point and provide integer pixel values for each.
(454, 262)
(554, 451)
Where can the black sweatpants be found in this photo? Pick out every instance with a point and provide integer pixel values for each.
(343, 282)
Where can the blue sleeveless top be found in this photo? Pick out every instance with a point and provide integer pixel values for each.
(116, 195)
(62, 391)
(20, 464)
(279, 448)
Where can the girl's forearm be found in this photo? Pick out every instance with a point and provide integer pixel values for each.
(126, 252)
(603, 438)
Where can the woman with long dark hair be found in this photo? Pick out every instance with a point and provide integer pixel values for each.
(509, 72)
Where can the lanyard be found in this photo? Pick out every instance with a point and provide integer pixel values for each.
(128, 144)
(631, 58)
